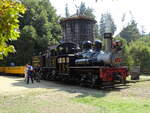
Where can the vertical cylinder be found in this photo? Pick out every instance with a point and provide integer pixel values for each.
(108, 42)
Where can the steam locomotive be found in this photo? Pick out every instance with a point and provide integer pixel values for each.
(90, 65)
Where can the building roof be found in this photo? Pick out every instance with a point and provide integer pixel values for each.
(77, 18)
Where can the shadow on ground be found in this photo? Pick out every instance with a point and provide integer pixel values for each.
(72, 89)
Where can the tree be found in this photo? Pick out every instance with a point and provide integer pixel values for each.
(82, 8)
(130, 32)
(85, 11)
(9, 13)
(24, 46)
(97, 33)
(67, 11)
(105, 22)
(39, 28)
(42, 16)
(145, 39)
(89, 13)
(102, 25)
(139, 53)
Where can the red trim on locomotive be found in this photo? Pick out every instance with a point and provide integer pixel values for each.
(106, 74)
(117, 60)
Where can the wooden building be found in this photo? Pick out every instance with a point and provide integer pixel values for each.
(78, 29)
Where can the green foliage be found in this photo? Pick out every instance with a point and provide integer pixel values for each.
(46, 23)
(123, 41)
(116, 104)
(82, 8)
(140, 54)
(130, 32)
(102, 25)
(9, 13)
(24, 46)
(89, 13)
(39, 28)
(104, 21)
(29, 32)
(145, 39)
(97, 33)
(42, 16)
(85, 11)
(137, 53)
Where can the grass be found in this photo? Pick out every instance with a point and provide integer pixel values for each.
(26, 102)
(116, 104)
(129, 101)
(40, 101)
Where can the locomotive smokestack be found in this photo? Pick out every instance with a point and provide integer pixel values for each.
(108, 35)
(108, 42)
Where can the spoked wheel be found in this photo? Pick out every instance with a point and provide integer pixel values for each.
(92, 84)
(81, 81)
(53, 74)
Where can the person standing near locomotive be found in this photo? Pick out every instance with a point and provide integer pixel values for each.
(30, 74)
(26, 72)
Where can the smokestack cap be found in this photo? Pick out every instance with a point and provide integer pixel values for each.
(107, 35)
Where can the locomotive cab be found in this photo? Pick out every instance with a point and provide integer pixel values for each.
(66, 57)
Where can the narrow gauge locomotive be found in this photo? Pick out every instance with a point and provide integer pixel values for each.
(90, 66)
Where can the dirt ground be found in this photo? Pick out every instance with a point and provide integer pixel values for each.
(60, 92)
(12, 84)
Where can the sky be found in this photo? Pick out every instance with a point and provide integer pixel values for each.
(139, 10)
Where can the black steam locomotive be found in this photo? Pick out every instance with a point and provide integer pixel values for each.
(92, 65)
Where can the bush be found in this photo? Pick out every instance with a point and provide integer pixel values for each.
(138, 53)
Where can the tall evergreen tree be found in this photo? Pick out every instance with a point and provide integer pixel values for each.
(67, 11)
(82, 8)
(89, 13)
(97, 33)
(102, 25)
(85, 11)
(130, 32)
(105, 18)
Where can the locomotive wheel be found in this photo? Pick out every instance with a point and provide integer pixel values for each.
(92, 84)
(53, 75)
(82, 80)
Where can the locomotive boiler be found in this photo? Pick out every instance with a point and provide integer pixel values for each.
(96, 56)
